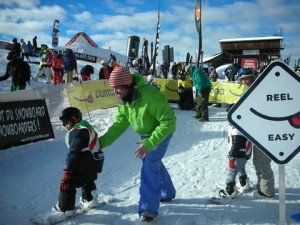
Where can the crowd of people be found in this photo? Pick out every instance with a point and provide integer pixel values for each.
(56, 66)
(137, 108)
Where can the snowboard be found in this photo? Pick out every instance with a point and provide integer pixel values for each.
(219, 200)
(226, 201)
(56, 218)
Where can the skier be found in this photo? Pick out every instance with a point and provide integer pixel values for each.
(84, 161)
(139, 108)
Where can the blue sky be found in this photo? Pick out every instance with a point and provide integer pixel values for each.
(110, 22)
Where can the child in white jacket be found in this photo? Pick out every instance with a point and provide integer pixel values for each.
(239, 152)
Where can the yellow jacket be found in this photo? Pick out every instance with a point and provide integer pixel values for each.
(186, 83)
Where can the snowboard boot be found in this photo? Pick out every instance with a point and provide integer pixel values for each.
(56, 209)
(85, 204)
(146, 217)
(243, 185)
(243, 180)
(229, 191)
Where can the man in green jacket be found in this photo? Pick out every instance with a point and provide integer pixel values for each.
(147, 111)
(202, 86)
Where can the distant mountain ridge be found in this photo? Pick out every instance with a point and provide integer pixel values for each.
(6, 45)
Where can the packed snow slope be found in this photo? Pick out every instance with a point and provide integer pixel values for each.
(196, 160)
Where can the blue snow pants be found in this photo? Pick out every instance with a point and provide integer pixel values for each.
(156, 183)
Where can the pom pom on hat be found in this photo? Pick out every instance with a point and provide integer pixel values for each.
(120, 76)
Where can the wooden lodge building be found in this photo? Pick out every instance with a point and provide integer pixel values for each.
(261, 49)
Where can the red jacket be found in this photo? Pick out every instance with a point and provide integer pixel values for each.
(57, 64)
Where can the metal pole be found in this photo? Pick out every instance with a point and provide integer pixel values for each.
(282, 209)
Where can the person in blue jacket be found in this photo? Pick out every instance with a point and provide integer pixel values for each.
(70, 65)
(139, 108)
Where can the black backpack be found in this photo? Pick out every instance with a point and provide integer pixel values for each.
(27, 71)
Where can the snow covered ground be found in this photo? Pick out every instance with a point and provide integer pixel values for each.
(196, 160)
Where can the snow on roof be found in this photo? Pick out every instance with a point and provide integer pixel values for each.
(252, 39)
(82, 43)
(211, 57)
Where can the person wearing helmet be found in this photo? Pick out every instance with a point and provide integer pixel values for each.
(84, 161)
(105, 70)
(149, 113)
(240, 151)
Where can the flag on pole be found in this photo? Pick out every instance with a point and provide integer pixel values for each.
(55, 34)
(145, 54)
(198, 27)
(156, 42)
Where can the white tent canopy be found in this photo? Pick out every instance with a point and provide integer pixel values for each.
(82, 43)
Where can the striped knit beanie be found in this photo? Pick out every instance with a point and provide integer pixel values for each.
(120, 76)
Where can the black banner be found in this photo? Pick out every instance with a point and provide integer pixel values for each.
(23, 122)
(55, 34)
(85, 57)
(156, 46)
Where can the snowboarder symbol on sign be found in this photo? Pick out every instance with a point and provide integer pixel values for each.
(268, 114)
